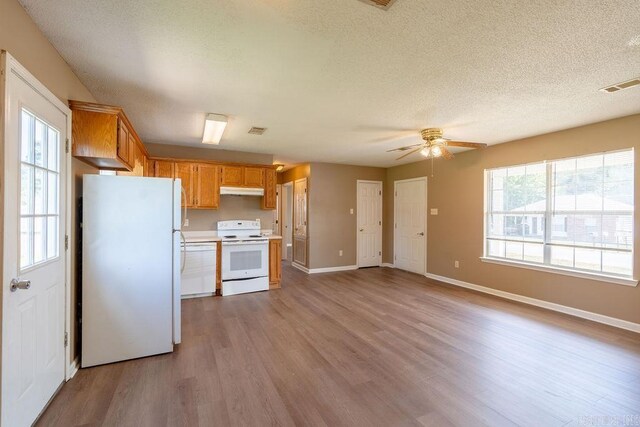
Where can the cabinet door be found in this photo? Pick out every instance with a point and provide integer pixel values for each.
(253, 177)
(208, 191)
(162, 169)
(123, 151)
(184, 171)
(270, 198)
(136, 159)
(275, 263)
(232, 176)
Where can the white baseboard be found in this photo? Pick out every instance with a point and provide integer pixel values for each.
(300, 267)
(324, 269)
(388, 265)
(332, 269)
(600, 318)
(73, 368)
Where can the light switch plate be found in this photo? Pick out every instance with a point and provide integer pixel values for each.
(434, 211)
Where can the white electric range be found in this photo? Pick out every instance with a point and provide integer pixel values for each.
(245, 257)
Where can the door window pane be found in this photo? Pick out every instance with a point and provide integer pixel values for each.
(39, 191)
(39, 188)
(26, 189)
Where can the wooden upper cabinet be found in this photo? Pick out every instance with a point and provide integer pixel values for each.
(185, 171)
(232, 176)
(270, 198)
(162, 169)
(207, 188)
(137, 159)
(253, 177)
(102, 136)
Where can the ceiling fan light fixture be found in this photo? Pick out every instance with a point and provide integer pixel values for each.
(214, 127)
(426, 151)
(436, 151)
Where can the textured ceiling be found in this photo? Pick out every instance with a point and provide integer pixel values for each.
(341, 81)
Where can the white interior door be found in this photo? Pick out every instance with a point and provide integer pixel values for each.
(369, 223)
(410, 225)
(33, 291)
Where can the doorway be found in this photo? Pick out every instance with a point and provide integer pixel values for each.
(409, 234)
(35, 265)
(287, 221)
(369, 223)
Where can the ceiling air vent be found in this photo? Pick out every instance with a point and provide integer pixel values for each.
(382, 4)
(257, 131)
(619, 86)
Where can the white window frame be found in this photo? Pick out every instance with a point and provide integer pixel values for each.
(546, 266)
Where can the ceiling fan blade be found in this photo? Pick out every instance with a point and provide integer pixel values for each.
(465, 144)
(446, 153)
(408, 147)
(409, 153)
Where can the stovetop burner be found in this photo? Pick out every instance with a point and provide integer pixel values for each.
(231, 237)
(255, 235)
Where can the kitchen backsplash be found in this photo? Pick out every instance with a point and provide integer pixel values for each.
(231, 207)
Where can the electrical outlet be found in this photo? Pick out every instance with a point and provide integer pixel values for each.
(434, 211)
(340, 252)
(456, 264)
(351, 211)
(186, 222)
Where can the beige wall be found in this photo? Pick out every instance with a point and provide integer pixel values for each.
(457, 190)
(23, 40)
(184, 152)
(331, 225)
(293, 174)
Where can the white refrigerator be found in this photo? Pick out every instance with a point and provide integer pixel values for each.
(130, 267)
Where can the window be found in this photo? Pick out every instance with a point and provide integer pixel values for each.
(574, 214)
(39, 189)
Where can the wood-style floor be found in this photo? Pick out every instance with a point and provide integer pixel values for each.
(373, 347)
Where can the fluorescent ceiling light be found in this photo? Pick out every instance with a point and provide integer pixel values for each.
(214, 127)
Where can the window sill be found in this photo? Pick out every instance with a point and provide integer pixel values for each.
(557, 270)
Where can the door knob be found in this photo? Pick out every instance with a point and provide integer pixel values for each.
(19, 284)
(421, 233)
(362, 229)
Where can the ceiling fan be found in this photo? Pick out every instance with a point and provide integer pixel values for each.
(435, 145)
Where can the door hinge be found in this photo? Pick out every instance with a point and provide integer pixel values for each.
(66, 339)
(380, 253)
(66, 242)
(380, 192)
(379, 222)
(66, 145)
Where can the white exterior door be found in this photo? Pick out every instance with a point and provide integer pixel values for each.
(34, 224)
(369, 223)
(410, 225)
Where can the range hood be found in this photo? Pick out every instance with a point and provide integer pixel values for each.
(242, 191)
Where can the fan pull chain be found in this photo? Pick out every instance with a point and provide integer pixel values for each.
(432, 166)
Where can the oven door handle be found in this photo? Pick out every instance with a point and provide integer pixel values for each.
(247, 243)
